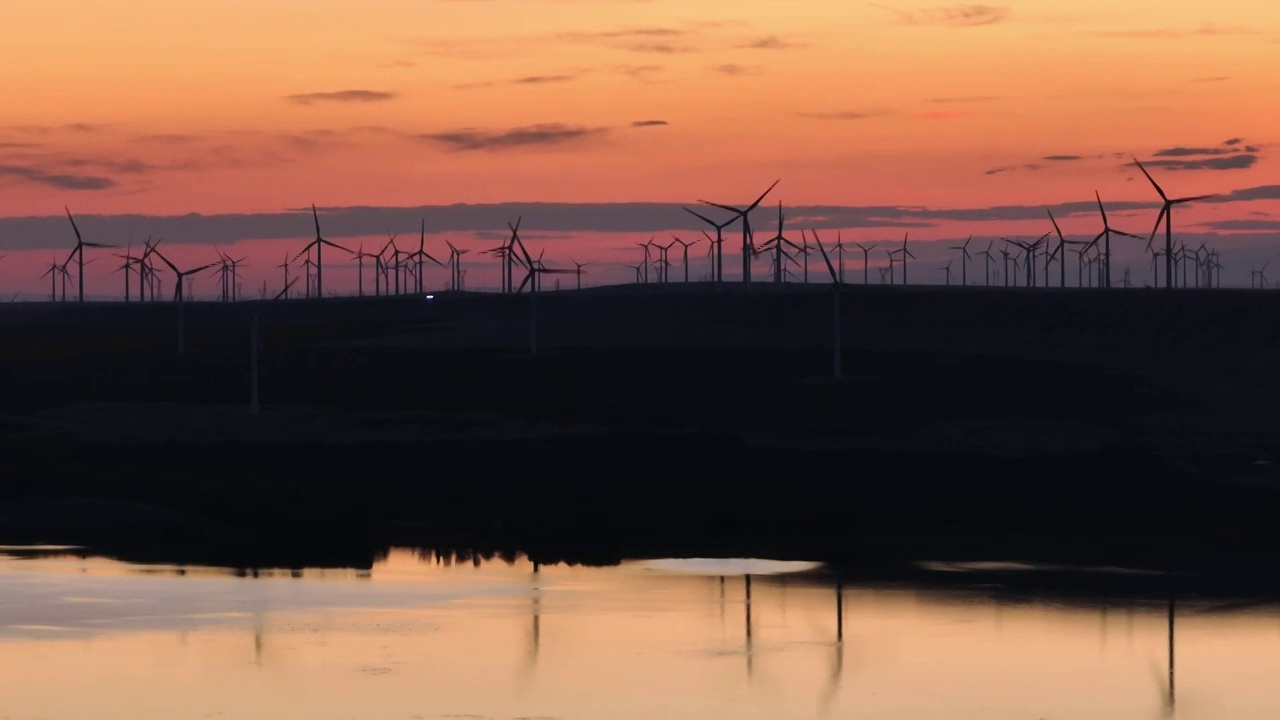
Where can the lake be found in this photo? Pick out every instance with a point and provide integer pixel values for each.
(425, 636)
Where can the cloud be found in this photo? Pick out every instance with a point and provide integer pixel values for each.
(542, 79)
(1260, 192)
(660, 48)
(1228, 156)
(398, 63)
(295, 223)
(970, 15)
(841, 114)
(525, 80)
(341, 96)
(57, 180)
(1010, 168)
(770, 42)
(649, 123)
(1242, 225)
(1174, 33)
(548, 134)
(633, 32)
(137, 157)
(942, 115)
(1190, 151)
(1238, 161)
(738, 70)
(1063, 158)
(1214, 79)
(77, 127)
(643, 73)
(167, 139)
(966, 99)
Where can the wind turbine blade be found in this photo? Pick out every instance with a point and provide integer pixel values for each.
(303, 251)
(835, 277)
(316, 217)
(1055, 224)
(1152, 180)
(166, 261)
(1179, 201)
(1100, 208)
(762, 196)
(73, 225)
(700, 216)
(1163, 211)
(722, 207)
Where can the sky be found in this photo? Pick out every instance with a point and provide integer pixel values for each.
(221, 123)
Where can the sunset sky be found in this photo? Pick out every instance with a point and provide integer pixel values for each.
(888, 115)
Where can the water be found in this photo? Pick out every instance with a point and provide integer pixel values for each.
(412, 638)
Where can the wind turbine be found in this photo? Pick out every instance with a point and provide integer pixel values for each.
(639, 279)
(717, 245)
(421, 254)
(509, 255)
(380, 282)
(989, 261)
(360, 256)
(1166, 214)
(396, 269)
(579, 270)
(455, 265)
(664, 264)
(52, 274)
(126, 265)
(866, 258)
(804, 251)
(745, 213)
(684, 253)
(779, 251)
(1106, 234)
(319, 244)
(285, 265)
(180, 275)
(905, 254)
(78, 252)
(647, 260)
(964, 262)
(839, 249)
(947, 269)
(235, 277)
(837, 366)
(1062, 243)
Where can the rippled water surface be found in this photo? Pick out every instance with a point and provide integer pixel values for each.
(416, 637)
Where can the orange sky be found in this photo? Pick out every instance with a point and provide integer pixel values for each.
(169, 108)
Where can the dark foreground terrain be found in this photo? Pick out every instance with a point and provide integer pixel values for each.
(1127, 427)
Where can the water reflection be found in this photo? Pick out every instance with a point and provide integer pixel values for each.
(419, 636)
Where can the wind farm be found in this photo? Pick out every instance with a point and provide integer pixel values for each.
(916, 380)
